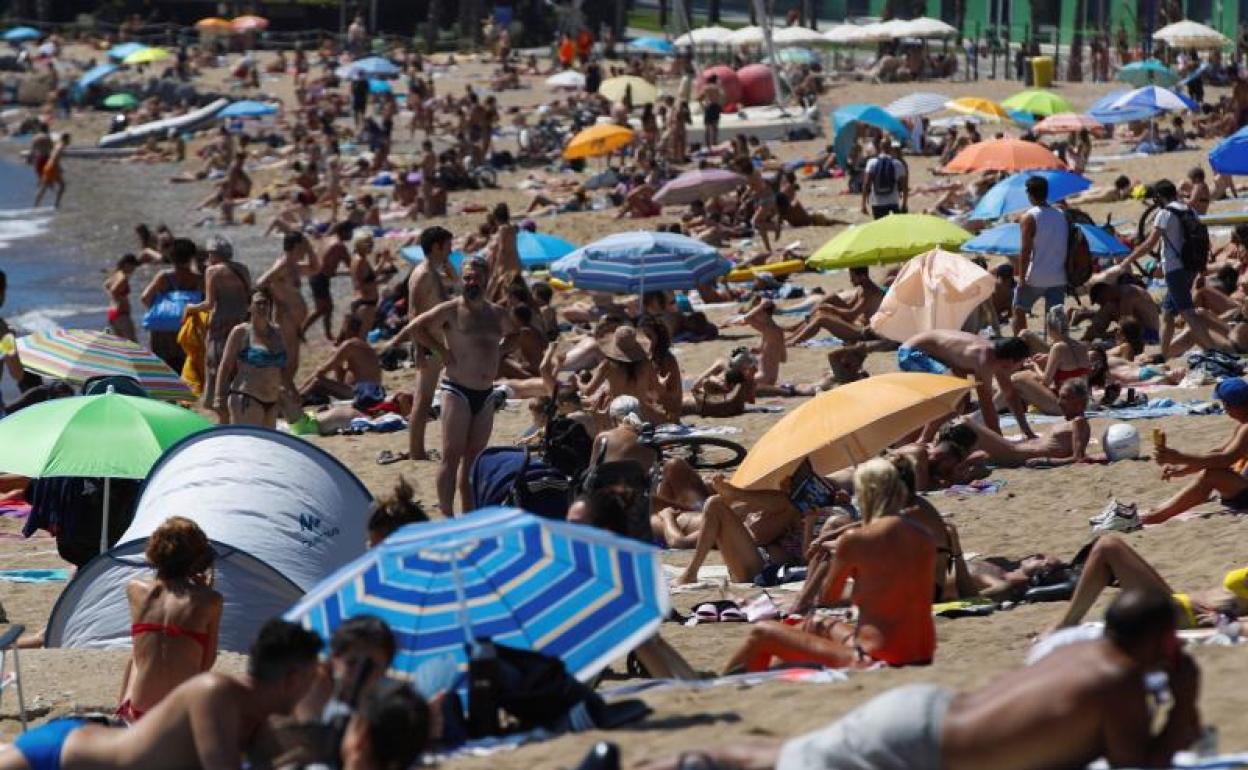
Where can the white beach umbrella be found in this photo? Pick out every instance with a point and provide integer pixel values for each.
(894, 28)
(747, 36)
(1190, 34)
(843, 34)
(798, 37)
(566, 79)
(706, 36)
(917, 104)
(874, 33)
(927, 27)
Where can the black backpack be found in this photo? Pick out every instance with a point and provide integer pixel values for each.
(884, 177)
(1196, 248)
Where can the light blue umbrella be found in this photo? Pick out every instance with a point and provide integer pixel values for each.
(635, 262)
(415, 255)
(248, 108)
(1010, 194)
(376, 86)
(21, 34)
(541, 248)
(1024, 119)
(845, 122)
(573, 592)
(652, 45)
(1147, 72)
(1007, 240)
(1100, 110)
(122, 50)
(374, 67)
(95, 75)
(1230, 156)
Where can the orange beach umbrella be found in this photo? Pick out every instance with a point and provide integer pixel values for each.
(213, 24)
(1003, 155)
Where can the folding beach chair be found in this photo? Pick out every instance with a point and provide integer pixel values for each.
(8, 646)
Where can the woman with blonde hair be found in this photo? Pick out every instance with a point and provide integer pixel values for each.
(174, 617)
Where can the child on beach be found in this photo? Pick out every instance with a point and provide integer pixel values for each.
(51, 175)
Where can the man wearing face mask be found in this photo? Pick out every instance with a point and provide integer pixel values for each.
(467, 333)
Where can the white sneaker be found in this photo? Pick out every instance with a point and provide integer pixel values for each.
(1123, 518)
(1112, 507)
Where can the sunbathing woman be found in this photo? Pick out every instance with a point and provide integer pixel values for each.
(174, 617)
(253, 368)
(1066, 361)
(1113, 373)
(1113, 562)
(724, 389)
(1064, 444)
(891, 560)
(626, 370)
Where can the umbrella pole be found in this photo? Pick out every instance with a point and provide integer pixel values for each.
(108, 484)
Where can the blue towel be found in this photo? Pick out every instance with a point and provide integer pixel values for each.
(913, 360)
(34, 575)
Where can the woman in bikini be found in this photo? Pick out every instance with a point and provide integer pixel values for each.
(227, 295)
(174, 617)
(667, 369)
(363, 283)
(252, 374)
(626, 370)
(1064, 444)
(118, 287)
(1066, 360)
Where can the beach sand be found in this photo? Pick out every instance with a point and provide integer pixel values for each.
(1036, 511)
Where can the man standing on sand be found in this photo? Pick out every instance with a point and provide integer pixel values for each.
(210, 721)
(1042, 257)
(51, 175)
(427, 288)
(712, 105)
(467, 334)
(1087, 700)
(327, 261)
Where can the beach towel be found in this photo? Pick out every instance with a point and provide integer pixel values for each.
(822, 342)
(715, 576)
(34, 575)
(387, 423)
(15, 510)
(191, 338)
(981, 487)
(803, 675)
(763, 409)
(965, 608)
(691, 431)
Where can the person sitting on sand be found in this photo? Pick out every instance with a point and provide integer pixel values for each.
(963, 354)
(1113, 562)
(1066, 361)
(1220, 471)
(1118, 301)
(252, 375)
(891, 560)
(771, 353)
(1066, 710)
(626, 370)
(393, 512)
(174, 617)
(846, 318)
(671, 391)
(352, 371)
(210, 721)
(1063, 444)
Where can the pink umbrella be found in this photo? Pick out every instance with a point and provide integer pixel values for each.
(697, 185)
(1067, 122)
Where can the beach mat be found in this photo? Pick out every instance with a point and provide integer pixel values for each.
(34, 575)
(806, 675)
(712, 576)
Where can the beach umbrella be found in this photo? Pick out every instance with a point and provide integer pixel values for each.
(895, 238)
(985, 109)
(248, 108)
(95, 75)
(916, 105)
(633, 262)
(77, 355)
(415, 255)
(541, 248)
(698, 184)
(249, 23)
(797, 56)
(652, 45)
(845, 126)
(706, 36)
(1024, 119)
(1003, 155)
(371, 66)
(875, 33)
(1100, 110)
(1010, 194)
(147, 56)
(569, 591)
(110, 436)
(21, 34)
(1147, 72)
(1230, 156)
(379, 87)
(936, 290)
(120, 51)
(600, 139)
(797, 37)
(214, 25)
(1190, 34)
(1152, 99)
(848, 425)
(927, 27)
(847, 34)
(121, 102)
(639, 91)
(1037, 102)
(1067, 123)
(1007, 240)
(566, 79)
(752, 36)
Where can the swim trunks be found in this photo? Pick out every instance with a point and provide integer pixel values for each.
(915, 360)
(42, 746)
(319, 283)
(899, 730)
(475, 398)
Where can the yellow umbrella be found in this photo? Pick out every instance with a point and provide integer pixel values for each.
(981, 108)
(602, 139)
(848, 425)
(213, 24)
(147, 56)
(639, 91)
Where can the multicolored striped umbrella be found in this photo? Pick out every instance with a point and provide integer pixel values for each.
(570, 591)
(77, 355)
(917, 104)
(632, 263)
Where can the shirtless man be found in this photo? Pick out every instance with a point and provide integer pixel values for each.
(211, 721)
(467, 334)
(428, 172)
(352, 370)
(848, 319)
(428, 286)
(282, 281)
(963, 354)
(1065, 443)
(1119, 301)
(1087, 701)
(334, 254)
(504, 257)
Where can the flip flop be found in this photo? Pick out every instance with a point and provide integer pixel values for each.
(707, 612)
(388, 457)
(730, 612)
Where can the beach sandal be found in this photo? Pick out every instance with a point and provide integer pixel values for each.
(730, 611)
(388, 457)
(707, 612)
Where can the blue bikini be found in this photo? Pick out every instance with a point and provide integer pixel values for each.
(42, 746)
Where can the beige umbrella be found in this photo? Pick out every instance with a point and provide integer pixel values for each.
(936, 290)
(1189, 34)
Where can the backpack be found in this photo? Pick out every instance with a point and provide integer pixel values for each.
(1079, 263)
(884, 177)
(1194, 253)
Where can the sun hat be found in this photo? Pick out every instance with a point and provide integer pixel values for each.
(625, 346)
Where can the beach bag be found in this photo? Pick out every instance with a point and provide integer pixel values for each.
(1194, 253)
(1079, 263)
(165, 314)
(884, 176)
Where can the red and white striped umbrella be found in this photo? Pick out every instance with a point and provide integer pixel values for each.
(1067, 122)
(77, 355)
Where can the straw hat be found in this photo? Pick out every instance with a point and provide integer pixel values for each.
(625, 346)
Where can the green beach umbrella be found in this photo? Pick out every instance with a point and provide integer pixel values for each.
(1044, 103)
(121, 102)
(110, 436)
(895, 238)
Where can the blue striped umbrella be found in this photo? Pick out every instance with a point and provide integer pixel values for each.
(573, 592)
(631, 263)
(1010, 194)
(1101, 112)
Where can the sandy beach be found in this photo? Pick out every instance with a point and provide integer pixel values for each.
(1035, 510)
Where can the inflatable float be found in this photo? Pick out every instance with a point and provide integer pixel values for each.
(747, 274)
(188, 122)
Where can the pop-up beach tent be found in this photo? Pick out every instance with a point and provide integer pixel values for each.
(281, 513)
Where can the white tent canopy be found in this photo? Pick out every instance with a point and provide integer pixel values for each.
(281, 513)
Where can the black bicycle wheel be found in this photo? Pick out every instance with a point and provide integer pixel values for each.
(707, 453)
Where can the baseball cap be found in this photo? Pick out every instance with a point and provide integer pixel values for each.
(1232, 391)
